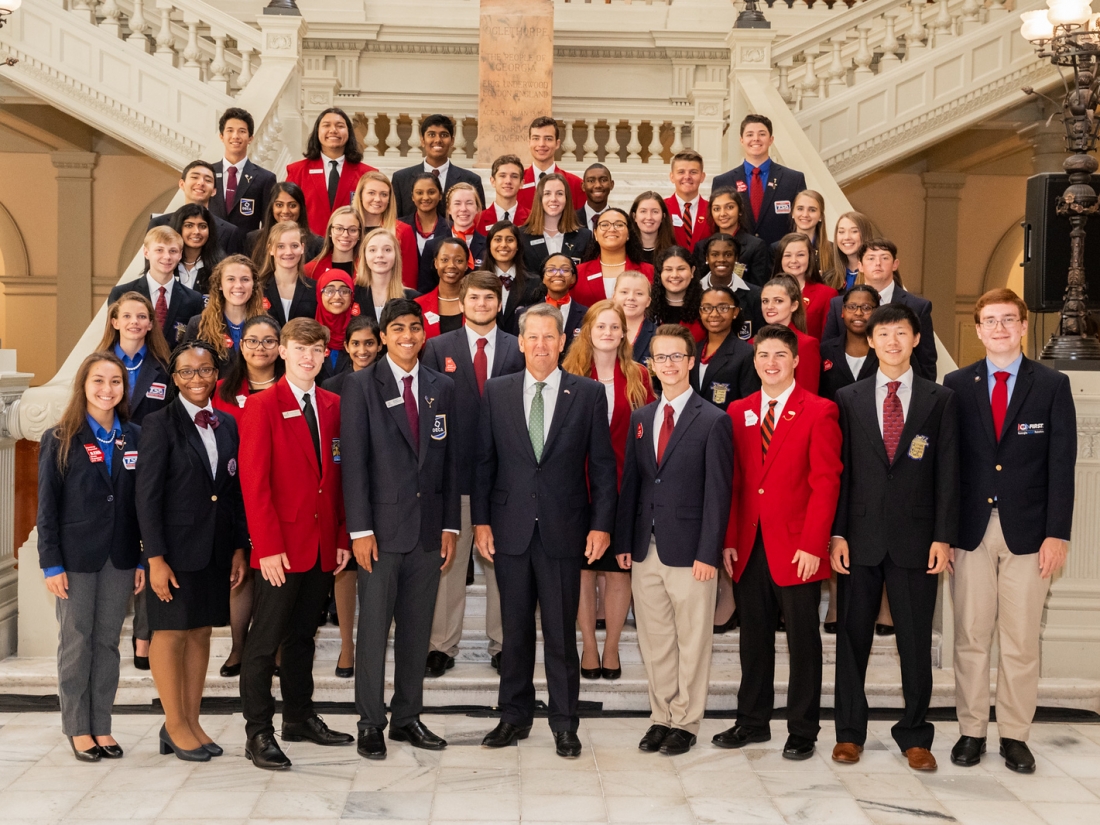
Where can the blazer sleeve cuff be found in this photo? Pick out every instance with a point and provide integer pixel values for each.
(360, 534)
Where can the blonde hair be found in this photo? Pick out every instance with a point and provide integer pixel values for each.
(327, 247)
(580, 357)
(364, 276)
(389, 217)
(162, 234)
(462, 187)
(822, 247)
(273, 235)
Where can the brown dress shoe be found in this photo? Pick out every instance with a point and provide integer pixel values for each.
(847, 752)
(921, 759)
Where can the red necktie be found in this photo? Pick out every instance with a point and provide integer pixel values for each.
(161, 308)
(230, 189)
(411, 412)
(767, 429)
(481, 365)
(756, 193)
(893, 420)
(667, 426)
(999, 402)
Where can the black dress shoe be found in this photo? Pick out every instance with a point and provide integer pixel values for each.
(601, 624)
(592, 672)
(265, 753)
(213, 748)
(968, 751)
(651, 742)
(798, 748)
(345, 672)
(884, 630)
(678, 741)
(504, 734)
(417, 735)
(438, 663)
(110, 751)
(738, 736)
(167, 746)
(567, 744)
(315, 730)
(494, 660)
(229, 671)
(830, 628)
(371, 744)
(140, 662)
(93, 754)
(1017, 756)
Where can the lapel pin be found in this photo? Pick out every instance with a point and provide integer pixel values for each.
(429, 400)
(977, 378)
(566, 392)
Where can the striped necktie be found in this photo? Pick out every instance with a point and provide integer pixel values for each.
(767, 429)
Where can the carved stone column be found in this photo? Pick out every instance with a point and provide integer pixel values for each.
(941, 247)
(750, 55)
(12, 385)
(708, 98)
(74, 246)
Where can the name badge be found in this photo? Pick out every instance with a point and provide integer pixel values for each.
(156, 391)
(291, 413)
(918, 446)
(677, 220)
(129, 459)
(95, 455)
(718, 393)
(248, 206)
(742, 186)
(538, 241)
(231, 467)
(241, 399)
(439, 428)
(751, 418)
(1030, 429)
(449, 365)
(395, 402)
(531, 185)
(595, 276)
(336, 451)
(431, 317)
(317, 171)
(782, 207)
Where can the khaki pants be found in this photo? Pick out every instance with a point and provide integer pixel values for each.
(450, 602)
(994, 590)
(675, 616)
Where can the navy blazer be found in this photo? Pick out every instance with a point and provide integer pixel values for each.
(1029, 472)
(898, 508)
(150, 388)
(782, 188)
(730, 374)
(186, 515)
(450, 354)
(230, 239)
(575, 244)
(835, 372)
(924, 356)
(427, 278)
(406, 497)
(253, 194)
(184, 304)
(302, 305)
(572, 490)
(753, 253)
(87, 515)
(641, 343)
(403, 186)
(685, 501)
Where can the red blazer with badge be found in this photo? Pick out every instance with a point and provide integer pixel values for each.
(292, 506)
(430, 304)
(489, 216)
(699, 231)
(792, 493)
(526, 195)
(312, 177)
(590, 287)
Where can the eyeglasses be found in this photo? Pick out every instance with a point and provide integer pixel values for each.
(187, 374)
(721, 309)
(605, 225)
(557, 271)
(345, 230)
(1008, 323)
(336, 292)
(675, 358)
(256, 343)
(859, 309)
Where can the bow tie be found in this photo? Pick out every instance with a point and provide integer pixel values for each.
(205, 418)
(506, 281)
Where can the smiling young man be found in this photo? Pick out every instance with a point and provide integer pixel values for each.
(672, 514)
(1018, 450)
(402, 498)
(242, 189)
(688, 208)
(506, 179)
(198, 184)
(896, 520)
(290, 477)
(437, 140)
(786, 479)
(544, 141)
(597, 184)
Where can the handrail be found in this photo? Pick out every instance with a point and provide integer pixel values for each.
(859, 13)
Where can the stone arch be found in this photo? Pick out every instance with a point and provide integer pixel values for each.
(134, 236)
(14, 262)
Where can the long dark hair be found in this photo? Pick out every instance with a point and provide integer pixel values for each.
(155, 342)
(813, 269)
(665, 235)
(352, 152)
(259, 252)
(237, 373)
(77, 408)
(489, 263)
(735, 196)
(693, 297)
(633, 249)
(211, 253)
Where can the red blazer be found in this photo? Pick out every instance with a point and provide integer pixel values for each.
(697, 330)
(235, 409)
(410, 254)
(792, 493)
(589, 287)
(816, 299)
(620, 414)
(488, 217)
(808, 372)
(291, 507)
(429, 302)
(685, 236)
(315, 269)
(526, 195)
(311, 176)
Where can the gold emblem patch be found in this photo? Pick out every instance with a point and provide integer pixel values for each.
(916, 449)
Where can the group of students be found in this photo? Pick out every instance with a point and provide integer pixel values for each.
(710, 391)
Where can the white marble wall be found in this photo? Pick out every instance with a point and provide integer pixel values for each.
(12, 385)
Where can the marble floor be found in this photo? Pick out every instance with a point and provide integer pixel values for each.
(40, 782)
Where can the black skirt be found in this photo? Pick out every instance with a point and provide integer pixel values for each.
(202, 600)
(607, 563)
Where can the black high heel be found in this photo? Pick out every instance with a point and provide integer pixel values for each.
(612, 673)
(110, 751)
(212, 748)
(93, 754)
(732, 622)
(140, 662)
(167, 746)
(592, 672)
(229, 671)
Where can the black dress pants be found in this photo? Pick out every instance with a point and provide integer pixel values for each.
(285, 616)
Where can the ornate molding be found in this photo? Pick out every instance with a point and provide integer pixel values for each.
(322, 45)
(39, 409)
(567, 52)
(1088, 438)
(422, 48)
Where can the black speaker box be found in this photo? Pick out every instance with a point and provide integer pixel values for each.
(1046, 246)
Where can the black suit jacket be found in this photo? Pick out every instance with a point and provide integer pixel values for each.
(575, 245)
(1029, 473)
(253, 194)
(184, 304)
(407, 498)
(898, 508)
(230, 239)
(924, 356)
(403, 185)
(450, 353)
(427, 279)
(641, 344)
(730, 375)
(150, 389)
(87, 515)
(753, 253)
(684, 501)
(571, 491)
(302, 305)
(521, 295)
(186, 515)
(775, 212)
(835, 372)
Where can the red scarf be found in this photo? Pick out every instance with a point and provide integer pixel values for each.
(420, 231)
(466, 237)
(336, 323)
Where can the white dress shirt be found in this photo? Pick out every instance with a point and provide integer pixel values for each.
(209, 440)
(855, 363)
(510, 272)
(905, 393)
(887, 293)
(490, 346)
(538, 173)
(781, 402)
(239, 166)
(564, 310)
(154, 287)
(678, 403)
(327, 161)
(443, 170)
(188, 277)
(299, 395)
(549, 398)
(590, 213)
(553, 242)
(694, 211)
(399, 376)
(737, 283)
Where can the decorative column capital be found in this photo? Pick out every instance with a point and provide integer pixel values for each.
(74, 164)
(751, 49)
(942, 185)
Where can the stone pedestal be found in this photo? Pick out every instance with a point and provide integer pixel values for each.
(750, 56)
(515, 74)
(12, 385)
(708, 97)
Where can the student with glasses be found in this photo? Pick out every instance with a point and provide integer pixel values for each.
(559, 275)
(619, 250)
(724, 371)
